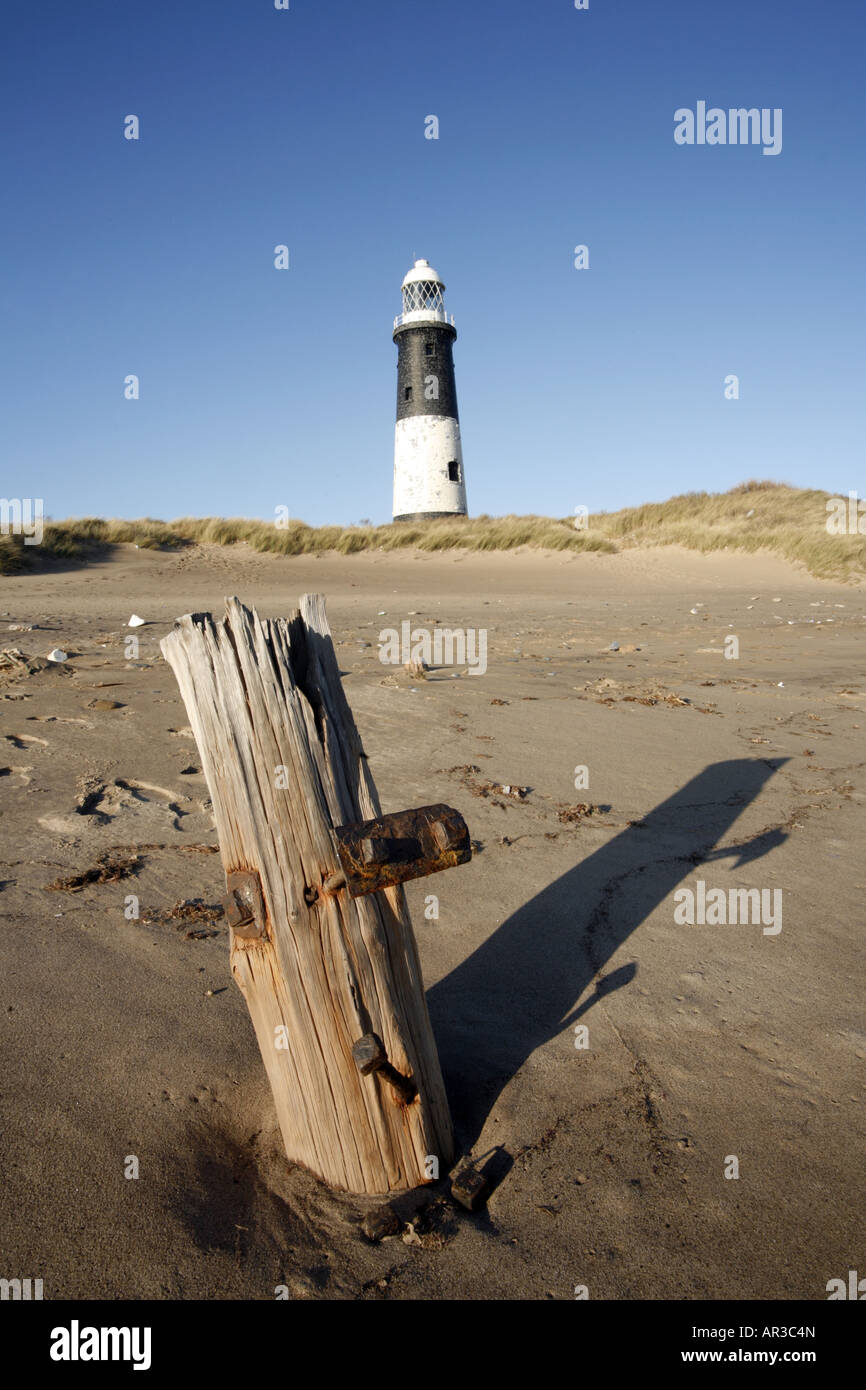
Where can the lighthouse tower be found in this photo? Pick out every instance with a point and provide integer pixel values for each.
(428, 459)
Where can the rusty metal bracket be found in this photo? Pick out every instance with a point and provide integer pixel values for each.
(244, 905)
(376, 854)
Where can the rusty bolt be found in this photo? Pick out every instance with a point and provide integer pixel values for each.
(237, 912)
(403, 1086)
(377, 854)
(369, 1054)
(243, 904)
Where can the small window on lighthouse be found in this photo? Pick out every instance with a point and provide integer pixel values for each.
(453, 472)
(407, 393)
(428, 348)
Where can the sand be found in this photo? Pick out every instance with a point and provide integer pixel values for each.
(705, 1043)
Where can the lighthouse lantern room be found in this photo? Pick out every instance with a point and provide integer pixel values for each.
(428, 458)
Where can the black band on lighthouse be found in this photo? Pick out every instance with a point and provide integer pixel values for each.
(425, 371)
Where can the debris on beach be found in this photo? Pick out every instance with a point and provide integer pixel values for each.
(13, 658)
(470, 1188)
(573, 815)
(136, 621)
(189, 913)
(381, 1223)
(16, 665)
(188, 909)
(111, 865)
(516, 793)
(468, 773)
(607, 692)
(658, 697)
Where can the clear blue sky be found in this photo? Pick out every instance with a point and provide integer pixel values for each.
(261, 387)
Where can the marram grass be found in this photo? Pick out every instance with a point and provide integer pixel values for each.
(752, 516)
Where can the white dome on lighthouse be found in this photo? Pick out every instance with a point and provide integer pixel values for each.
(422, 270)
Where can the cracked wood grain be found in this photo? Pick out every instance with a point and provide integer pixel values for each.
(284, 766)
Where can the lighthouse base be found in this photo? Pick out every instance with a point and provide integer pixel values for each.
(426, 516)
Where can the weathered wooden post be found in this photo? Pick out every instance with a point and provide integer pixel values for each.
(332, 980)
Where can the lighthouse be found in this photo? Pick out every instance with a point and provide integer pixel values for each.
(428, 458)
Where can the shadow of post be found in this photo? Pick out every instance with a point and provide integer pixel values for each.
(520, 988)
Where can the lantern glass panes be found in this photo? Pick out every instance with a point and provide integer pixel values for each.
(423, 295)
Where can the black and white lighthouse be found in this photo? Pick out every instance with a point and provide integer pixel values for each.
(428, 458)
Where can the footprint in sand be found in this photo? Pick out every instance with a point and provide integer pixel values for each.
(19, 773)
(144, 803)
(147, 811)
(59, 719)
(25, 741)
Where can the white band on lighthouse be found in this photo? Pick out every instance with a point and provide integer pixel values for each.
(428, 466)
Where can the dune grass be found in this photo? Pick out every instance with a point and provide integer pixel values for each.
(753, 516)
(750, 517)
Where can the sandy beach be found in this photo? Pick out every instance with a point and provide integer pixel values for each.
(610, 1060)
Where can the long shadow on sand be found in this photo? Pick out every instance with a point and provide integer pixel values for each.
(521, 988)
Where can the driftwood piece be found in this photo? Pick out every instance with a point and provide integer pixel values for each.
(319, 970)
